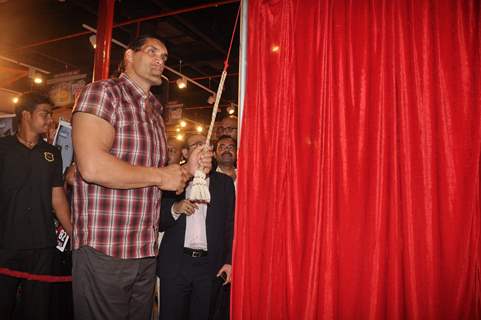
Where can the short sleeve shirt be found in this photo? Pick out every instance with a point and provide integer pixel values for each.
(27, 177)
(121, 223)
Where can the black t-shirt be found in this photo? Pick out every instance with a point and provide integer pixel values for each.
(27, 177)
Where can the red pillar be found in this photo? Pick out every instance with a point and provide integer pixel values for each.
(104, 39)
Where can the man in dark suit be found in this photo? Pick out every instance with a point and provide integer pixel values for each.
(196, 246)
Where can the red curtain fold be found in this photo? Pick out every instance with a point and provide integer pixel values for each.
(359, 169)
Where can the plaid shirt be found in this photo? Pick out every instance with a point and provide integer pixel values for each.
(121, 223)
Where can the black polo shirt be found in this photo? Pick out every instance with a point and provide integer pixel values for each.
(27, 177)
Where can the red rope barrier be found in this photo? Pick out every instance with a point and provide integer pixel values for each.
(34, 277)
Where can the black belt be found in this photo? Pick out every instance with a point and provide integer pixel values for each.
(195, 253)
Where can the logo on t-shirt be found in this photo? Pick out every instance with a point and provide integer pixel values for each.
(49, 156)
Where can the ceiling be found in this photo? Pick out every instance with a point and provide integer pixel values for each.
(199, 38)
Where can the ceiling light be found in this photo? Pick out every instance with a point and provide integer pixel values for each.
(177, 129)
(180, 137)
(230, 109)
(199, 129)
(35, 76)
(182, 83)
(183, 124)
(211, 99)
(93, 40)
(15, 99)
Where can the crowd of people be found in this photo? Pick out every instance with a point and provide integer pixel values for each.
(129, 183)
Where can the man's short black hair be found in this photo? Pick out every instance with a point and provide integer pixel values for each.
(136, 45)
(138, 42)
(29, 101)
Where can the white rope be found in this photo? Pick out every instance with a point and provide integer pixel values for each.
(216, 106)
(200, 189)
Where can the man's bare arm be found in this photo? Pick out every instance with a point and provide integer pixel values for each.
(61, 208)
(92, 140)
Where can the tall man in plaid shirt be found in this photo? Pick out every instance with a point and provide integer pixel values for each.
(120, 147)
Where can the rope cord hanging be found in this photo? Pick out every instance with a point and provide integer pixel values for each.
(200, 190)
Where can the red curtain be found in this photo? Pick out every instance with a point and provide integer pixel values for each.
(358, 188)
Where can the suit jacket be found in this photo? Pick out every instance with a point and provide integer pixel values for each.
(219, 228)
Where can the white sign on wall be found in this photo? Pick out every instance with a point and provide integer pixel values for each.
(63, 140)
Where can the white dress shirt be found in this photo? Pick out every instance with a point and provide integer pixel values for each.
(195, 229)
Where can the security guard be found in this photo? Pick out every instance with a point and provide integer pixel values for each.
(31, 186)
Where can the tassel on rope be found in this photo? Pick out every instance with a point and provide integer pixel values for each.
(200, 190)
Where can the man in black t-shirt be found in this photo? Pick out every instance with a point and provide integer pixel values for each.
(31, 188)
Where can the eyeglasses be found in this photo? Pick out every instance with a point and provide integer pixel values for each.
(228, 147)
(197, 144)
(229, 129)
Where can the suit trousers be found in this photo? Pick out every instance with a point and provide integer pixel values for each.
(105, 287)
(187, 295)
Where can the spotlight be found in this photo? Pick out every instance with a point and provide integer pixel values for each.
(199, 129)
(275, 48)
(211, 99)
(182, 83)
(183, 124)
(93, 40)
(177, 129)
(35, 76)
(180, 137)
(15, 99)
(230, 109)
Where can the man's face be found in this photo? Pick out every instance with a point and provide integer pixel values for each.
(193, 142)
(226, 152)
(148, 63)
(173, 151)
(40, 119)
(229, 127)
